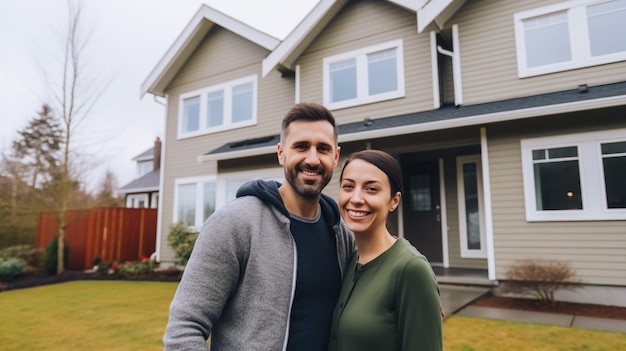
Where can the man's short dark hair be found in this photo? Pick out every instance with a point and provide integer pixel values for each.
(309, 111)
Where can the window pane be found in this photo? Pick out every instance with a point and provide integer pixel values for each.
(382, 72)
(242, 103)
(343, 80)
(209, 200)
(187, 204)
(614, 148)
(557, 186)
(191, 114)
(215, 109)
(607, 24)
(472, 214)
(231, 189)
(547, 40)
(562, 152)
(615, 181)
(420, 193)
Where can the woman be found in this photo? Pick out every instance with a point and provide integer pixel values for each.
(390, 298)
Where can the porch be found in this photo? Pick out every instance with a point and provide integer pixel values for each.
(464, 276)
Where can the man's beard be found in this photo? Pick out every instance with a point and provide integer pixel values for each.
(307, 189)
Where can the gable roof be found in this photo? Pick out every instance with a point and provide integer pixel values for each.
(184, 46)
(438, 11)
(145, 156)
(566, 101)
(146, 183)
(288, 51)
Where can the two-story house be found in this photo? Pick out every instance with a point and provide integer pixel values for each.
(143, 191)
(508, 118)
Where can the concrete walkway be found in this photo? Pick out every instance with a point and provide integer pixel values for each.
(455, 300)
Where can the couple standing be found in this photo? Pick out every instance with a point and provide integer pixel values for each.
(267, 269)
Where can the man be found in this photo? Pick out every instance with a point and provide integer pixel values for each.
(266, 270)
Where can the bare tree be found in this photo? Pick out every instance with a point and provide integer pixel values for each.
(74, 90)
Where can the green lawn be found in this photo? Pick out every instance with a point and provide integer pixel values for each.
(129, 315)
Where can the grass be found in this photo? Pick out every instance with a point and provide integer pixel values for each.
(131, 315)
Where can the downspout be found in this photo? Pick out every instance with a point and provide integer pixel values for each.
(157, 254)
(456, 64)
(484, 158)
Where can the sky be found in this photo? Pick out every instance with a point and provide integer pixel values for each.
(127, 39)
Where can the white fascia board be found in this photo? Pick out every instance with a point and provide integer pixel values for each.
(488, 118)
(409, 4)
(138, 190)
(429, 11)
(298, 35)
(197, 27)
(238, 154)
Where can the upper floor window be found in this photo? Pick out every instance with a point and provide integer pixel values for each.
(570, 35)
(363, 76)
(575, 177)
(219, 107)
(144, 167)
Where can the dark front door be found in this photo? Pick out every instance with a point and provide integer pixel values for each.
(422, 208)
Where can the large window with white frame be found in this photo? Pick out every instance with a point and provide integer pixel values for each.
(575, 176)
(197, 198)
(570, 35)
(194, 200)
(220, 107)
(366, 75)
(472, 234)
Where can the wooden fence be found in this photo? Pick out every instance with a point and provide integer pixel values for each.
(114, 233)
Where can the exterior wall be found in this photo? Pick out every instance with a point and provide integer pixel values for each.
(360, 24)
(222, 56)
(595, 249)
(489, 61)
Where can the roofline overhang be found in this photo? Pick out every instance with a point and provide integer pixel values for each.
(191, 36)
(495, 117)
(300, 37)
(138, 190)
(438, 11)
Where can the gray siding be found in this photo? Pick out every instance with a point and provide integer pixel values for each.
(595, 249)
(222, 56)
(360, 24)
(489, 61)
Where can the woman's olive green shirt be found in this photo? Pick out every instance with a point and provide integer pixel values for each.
(390, 303)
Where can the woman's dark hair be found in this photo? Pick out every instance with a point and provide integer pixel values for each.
(309, 111)
(383, 161)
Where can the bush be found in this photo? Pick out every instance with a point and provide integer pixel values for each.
(135, 269)
(50, 256)
(29, 254)
(540, 279)
(182, 239)
(11, 268)
(109, 267)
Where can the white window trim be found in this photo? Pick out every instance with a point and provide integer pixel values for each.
(228, 124)
(132, 200)
(465, 252)
(579, 41)
(154, 200)
(362, 79)
(591, 176)
(276, 173)
(199, 182)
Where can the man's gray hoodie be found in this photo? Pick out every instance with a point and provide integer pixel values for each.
(238, 285)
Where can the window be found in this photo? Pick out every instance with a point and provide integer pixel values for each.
(471, 207)
(137, 200)
(144, 167)
(575, 177)
(194, 200)
(219, 107)
(570, 35)
(371, 74)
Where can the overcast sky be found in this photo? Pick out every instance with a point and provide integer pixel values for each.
(128, 38)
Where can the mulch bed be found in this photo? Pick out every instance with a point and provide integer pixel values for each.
(576, 309)
(31, 279)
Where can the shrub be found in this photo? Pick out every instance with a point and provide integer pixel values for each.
(11, 267)
(50, 256)
(104, 268)
(182, 239)
(135, 269)
(540, 279)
